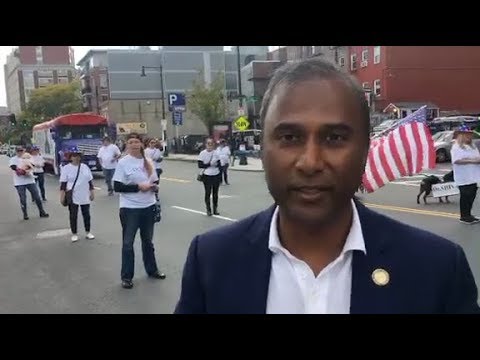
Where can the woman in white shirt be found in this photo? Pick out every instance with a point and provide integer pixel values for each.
(38, 170)
(466, 172)
(137, 183)
(209, 162)
(78, 176)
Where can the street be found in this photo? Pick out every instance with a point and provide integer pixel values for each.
(43, 272)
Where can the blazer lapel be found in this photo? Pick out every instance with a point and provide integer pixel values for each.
(372, 294)
(251, 287)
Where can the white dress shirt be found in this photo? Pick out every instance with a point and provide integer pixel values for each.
(293, 287)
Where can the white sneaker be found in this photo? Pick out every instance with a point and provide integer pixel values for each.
(74, 238)
(90, 236)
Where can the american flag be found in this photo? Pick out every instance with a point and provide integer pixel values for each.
(406, 150)
(418, 116)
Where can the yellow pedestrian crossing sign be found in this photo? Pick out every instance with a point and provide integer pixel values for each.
(241, 123)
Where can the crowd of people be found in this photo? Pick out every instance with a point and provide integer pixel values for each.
(318, 249)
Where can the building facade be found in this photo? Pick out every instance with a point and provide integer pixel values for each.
(94, 80)
(442, 76)
(32, 67)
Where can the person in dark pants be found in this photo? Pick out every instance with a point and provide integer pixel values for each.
(77, 176)
(24, 181)
(209, 162)
(137, 182)
(108, 156)
(38, 170)
(466, 172)
(224, 155)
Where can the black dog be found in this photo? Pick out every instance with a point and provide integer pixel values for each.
(428, 182)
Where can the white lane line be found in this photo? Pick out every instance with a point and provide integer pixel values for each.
(53, 233)
(203, 213)
(97, 188)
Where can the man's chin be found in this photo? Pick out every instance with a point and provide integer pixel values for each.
(310, 216)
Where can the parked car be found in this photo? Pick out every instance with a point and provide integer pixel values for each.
(443, 142)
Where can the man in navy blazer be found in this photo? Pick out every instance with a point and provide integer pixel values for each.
(318, 250)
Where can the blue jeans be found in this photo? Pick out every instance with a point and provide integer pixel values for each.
(132, 220)
(22, 194)
(108, 173)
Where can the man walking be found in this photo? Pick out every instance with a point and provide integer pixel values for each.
(108, 156)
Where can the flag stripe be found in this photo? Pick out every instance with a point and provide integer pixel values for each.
(396, 155)
(418, 148)
(406, 146)
(385, 162)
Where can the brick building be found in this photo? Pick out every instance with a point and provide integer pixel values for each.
(444, 77)
(32, 67)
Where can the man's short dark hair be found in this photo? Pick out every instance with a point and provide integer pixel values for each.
(107, 138)
(314, 68)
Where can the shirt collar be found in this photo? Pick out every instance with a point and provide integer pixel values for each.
(355, 240)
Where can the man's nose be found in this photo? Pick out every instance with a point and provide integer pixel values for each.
(311, 160)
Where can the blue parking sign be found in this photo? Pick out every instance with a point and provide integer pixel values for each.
(176, 101)
(177, 118)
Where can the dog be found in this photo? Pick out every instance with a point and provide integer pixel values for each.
(427, 183)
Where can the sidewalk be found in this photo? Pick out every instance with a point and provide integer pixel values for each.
(254, 165)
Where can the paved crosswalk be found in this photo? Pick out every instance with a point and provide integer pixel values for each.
(415, 180)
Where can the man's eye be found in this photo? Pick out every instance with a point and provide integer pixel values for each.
(335, 138)
(289, 138)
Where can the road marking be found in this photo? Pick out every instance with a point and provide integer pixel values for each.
(412, 210)
(203, 213)
(53, 233)
(97, 188)
(369, 205)
(227, 196)
(175, 180)
(406, 183)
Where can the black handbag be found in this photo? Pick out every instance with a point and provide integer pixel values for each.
(69, 194)
(157, 212)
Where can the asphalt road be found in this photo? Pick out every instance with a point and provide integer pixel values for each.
(43, 272)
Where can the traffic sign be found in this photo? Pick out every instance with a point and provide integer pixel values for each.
(177, 118)
(176, 101)
(241, 123)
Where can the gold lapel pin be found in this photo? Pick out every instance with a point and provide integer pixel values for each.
(381, 277)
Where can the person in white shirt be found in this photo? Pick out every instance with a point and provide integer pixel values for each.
(24, 181)
(209, 162)
(224, 154)
(108, 156)
(137, 182)
(466, 172)
(78, 176)
(38, 171)
(153, 153)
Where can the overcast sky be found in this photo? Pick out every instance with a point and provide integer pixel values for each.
(80, 51)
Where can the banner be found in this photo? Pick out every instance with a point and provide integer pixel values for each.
(133, 127)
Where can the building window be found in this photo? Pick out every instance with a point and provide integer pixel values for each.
(104, 97)
(42, 82)
(377, 88)
(103, 81)
(39, 54)
(366, 85)
(365, 55)
(341, 61)
(353, 62)
(376, 54)
(63, 80)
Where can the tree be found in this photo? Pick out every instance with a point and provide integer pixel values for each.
(208, 102)
(51, 101)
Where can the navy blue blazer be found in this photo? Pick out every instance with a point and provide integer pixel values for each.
(227, 270)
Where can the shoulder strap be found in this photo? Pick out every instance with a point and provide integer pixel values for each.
(76, 178)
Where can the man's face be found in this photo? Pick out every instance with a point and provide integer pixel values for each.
(106, 142)
(315, 149)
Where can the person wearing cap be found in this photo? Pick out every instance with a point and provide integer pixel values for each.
(108, 156)
(79, 174)
(466, 172)
(38, 170)
(23, 182)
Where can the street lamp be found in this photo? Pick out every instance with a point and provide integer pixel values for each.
(159, 68)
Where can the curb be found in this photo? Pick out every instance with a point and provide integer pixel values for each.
(231, 168)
